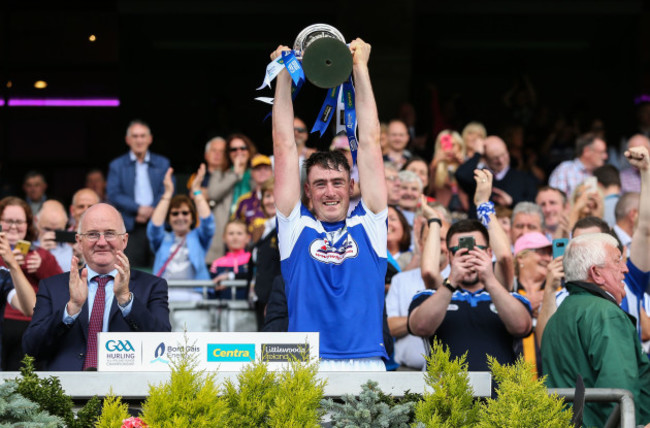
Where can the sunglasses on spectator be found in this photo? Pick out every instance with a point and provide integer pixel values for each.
(455, 249)
(175, 213)
(298, 129)
(239, 149)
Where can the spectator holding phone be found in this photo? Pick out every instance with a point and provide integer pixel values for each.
(17, 223)
(449, 155)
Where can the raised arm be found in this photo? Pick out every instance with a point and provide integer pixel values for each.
(285, 152)
(202, 207)
(25, 298)
(639, 254)
(430, 260)
(369, 159)
(160, 212)
(504, 270)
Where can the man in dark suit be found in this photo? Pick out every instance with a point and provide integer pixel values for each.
(135, 186)
(510, 186)
(73, 307)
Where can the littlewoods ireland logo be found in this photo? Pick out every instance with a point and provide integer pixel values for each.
(231, 352)
(119, 346)
(285, 352)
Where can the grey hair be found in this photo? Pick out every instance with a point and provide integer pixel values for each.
(410, 177)
(528, 208)
(207, 145)
(625, 204)
(586, 251)
(390, 165)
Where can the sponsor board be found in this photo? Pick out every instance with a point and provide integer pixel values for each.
(224, 351)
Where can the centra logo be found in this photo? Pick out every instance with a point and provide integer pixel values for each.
(231, 352)
(119, 346)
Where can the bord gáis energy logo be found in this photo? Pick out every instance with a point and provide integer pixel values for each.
(231, 352)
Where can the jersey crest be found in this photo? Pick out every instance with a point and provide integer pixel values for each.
(323, 250)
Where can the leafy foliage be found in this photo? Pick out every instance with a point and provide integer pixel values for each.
(521, 400)
(249, 402)
(297, 402)
(368, 411)
(451, 404)
(46, 392)
(190, 398)
(90, 413)
(113, 413)
(18, 411)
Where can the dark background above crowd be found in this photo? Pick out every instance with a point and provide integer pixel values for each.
(190, 69)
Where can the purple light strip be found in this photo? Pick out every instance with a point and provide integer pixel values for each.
(63, 102)
(2, 102)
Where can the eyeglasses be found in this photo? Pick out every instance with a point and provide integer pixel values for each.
(392, 178)
(110, 235)
(238, 149)
(16, 223)
(301, 130)
(455, 249)
(176, 213)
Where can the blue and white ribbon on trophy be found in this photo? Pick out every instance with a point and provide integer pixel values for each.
(289, 61)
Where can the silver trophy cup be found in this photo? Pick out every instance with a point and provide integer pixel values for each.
(326, 60)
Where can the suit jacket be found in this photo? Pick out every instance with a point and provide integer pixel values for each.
(60, 347)
(120, 184)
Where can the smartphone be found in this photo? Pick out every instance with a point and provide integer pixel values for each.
(23, 246)
(591, 184)
(466, 242)
(65, 236)
(559, 245)
(446, 143)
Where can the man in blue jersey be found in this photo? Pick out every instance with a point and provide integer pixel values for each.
(472, 312)
(334, 264)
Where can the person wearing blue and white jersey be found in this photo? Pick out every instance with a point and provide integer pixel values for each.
(334, 265)
(472, 311)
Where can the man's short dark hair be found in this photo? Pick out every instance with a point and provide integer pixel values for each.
(592, 221)
(553, 189)
(467, 226)
(32, 174)
(334, 160)
(608, 175)
(584, 141)
(137, 122)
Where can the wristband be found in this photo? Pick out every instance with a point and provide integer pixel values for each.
(483, 212)
(450, 287)
(434, 220)
(197, 193)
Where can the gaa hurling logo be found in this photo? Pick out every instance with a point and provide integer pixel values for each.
(119, 346)
(323, 251)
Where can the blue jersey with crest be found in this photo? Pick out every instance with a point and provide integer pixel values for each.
(334, 277)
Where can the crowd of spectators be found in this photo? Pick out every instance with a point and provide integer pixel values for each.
(471, 232)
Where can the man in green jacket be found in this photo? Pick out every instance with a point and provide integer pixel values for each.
(590, 335)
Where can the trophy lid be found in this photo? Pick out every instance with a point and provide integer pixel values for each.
(327, 62)
(326, 59)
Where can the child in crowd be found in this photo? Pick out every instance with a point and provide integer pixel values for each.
(234, 264)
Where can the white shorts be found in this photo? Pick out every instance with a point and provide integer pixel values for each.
(370, 364)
